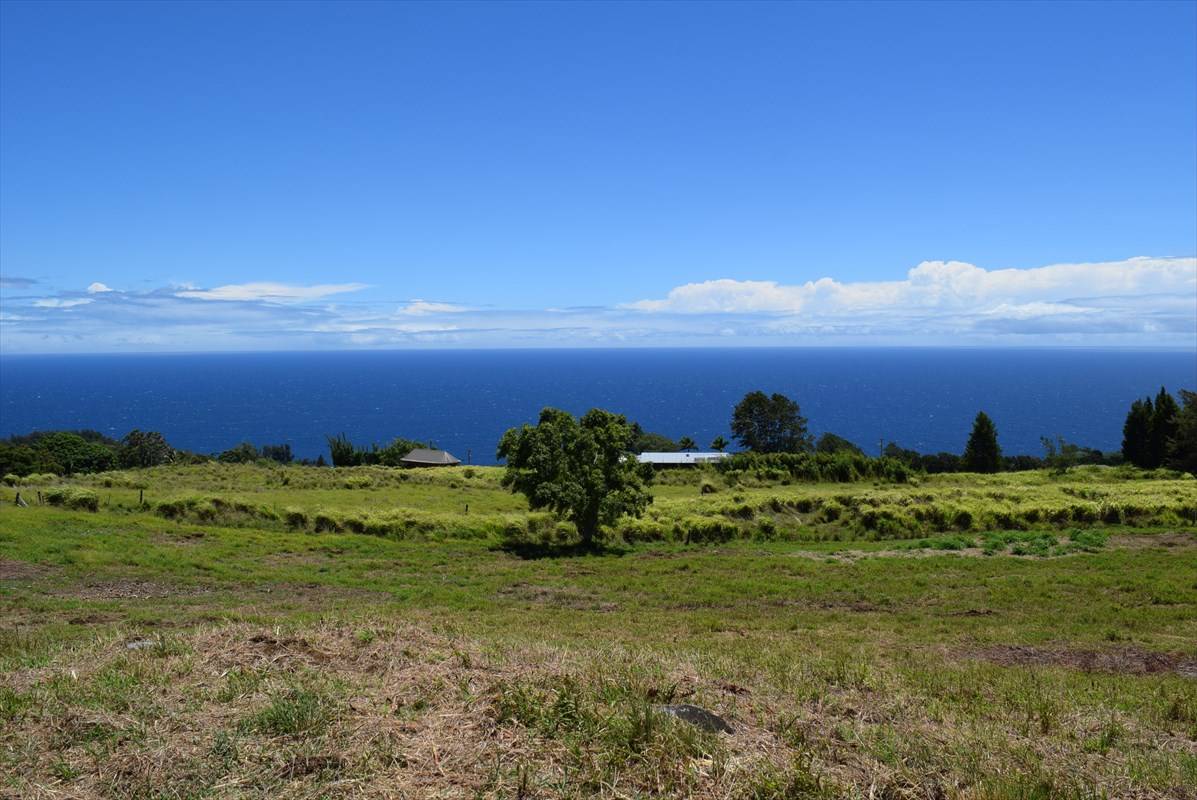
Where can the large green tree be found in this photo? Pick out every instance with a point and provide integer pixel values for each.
(1163, 428)
(770, 424)
(982, 453)
(145, 449)
(1136, 433)
(1182, 450)
(581, 469)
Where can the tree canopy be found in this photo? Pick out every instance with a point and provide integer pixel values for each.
(145, 449)
(1149, 430)
(648, 442)
(982, 453)
(1163, 428)
(578, 468)
(830, 443)
(345, 453)
(770, 424)
(1182, 450)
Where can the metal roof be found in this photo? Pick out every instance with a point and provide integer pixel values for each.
(438, 458)
(680, 458)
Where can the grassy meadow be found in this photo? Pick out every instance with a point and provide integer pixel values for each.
(232, 631)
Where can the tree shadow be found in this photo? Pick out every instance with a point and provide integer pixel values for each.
(530, 551)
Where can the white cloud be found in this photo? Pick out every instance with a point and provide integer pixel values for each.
(271, 292)
(56, 302)
(423, 307)
(1038, 309)
(1139, 302)
(97, 288)
(945, 286)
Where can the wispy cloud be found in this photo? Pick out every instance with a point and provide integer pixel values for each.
(59, 302)
(1142, 302)
(271, 292)
(14, 282)
(417, 308)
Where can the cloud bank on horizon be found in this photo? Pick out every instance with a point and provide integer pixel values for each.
(1144, 302)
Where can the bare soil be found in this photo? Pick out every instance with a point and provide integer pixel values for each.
(556, 596)
(21, 570)
(1121, 660)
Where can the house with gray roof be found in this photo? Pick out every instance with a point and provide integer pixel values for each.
(421, 457)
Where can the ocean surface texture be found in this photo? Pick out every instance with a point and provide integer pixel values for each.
(464, 400)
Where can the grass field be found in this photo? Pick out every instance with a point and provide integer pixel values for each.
(237, 631)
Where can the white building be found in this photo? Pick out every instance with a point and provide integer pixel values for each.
(680, 459)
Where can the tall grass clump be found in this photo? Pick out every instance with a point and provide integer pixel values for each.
(78, 499)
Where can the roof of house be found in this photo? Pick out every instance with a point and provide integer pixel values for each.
(680, 458)
(429, 457)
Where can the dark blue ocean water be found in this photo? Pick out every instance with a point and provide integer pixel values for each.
(464, 400)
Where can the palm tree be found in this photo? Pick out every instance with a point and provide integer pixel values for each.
(719, 444)
(686, 443)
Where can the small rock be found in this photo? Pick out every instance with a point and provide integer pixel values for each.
(698, 717)
(140, 644)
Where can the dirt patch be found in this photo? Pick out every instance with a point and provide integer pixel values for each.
(851, 556)
(21, 570)
(559, 597)
(1146, 541)
(1121, 661)
(181, 538)
(312, 558)
(129, 589)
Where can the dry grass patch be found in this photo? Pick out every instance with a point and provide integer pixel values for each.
(335, 711)
(393, 710)
(1119, 660)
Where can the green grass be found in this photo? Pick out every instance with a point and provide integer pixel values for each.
(1053, 661)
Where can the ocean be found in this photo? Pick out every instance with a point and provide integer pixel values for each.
(924, 399)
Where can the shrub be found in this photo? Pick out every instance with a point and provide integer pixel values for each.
(642, 530)
(295, 518)
(79, 499)
(11, 479)
(703, 529)
(171, 509)
(323, 522)
(707, 488)
(831, 511)
(962, 520)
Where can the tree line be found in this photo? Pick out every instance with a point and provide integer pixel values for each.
(582, 469)
(1158, 432)
(83, 451)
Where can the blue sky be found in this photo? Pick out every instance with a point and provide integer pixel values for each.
(294, 176)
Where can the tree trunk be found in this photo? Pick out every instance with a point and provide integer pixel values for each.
(587, 524)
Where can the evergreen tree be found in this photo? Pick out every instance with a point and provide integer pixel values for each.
(1136, 433)
(982, 453)
(1182, 449)
(1163, 428)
